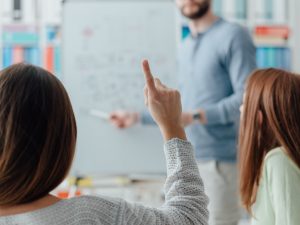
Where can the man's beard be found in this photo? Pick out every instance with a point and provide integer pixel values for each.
(203, 9)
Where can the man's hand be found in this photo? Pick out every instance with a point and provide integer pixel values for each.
(124, 119)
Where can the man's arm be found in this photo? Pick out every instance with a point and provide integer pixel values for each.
(240, 62)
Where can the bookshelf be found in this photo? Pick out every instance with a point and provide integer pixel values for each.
(295, 38)
(50, 23)
(39, 29)
(33, 36)
(273, 25)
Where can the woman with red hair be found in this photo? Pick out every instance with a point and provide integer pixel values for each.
(270, 148)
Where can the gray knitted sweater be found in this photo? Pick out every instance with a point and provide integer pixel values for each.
(186, 202)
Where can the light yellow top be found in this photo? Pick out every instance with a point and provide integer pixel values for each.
(278, 197)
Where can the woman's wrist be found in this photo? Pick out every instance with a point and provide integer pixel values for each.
(173, 131)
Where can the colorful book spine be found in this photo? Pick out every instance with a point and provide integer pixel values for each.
(52, 57)
(261, 57)
(27, 55)
(57, 61)
(49, 59)
(20, 44)
(287, 58)
(52, 60)
(32, 56)
(7, 57)
(18, 54)
(20, 38)
(277, 57)
(271, 52)
(35, 56)
(274, 31)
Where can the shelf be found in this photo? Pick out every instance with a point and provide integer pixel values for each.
(223, 7)
(267, 45)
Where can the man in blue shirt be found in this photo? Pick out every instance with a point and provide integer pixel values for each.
(214, 63)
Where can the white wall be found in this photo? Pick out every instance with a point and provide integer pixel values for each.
(296, 36)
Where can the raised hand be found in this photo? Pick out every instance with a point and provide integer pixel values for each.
(164, 105)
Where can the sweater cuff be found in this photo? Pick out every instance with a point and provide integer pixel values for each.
(213, 115)
(178, 152)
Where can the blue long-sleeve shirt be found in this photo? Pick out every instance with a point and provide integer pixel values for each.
(213, 68)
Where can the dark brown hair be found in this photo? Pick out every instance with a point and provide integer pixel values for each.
(37, 134)
(271, 118)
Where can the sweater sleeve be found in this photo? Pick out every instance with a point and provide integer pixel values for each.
(240, 61)
(185, 203)
(283, 177)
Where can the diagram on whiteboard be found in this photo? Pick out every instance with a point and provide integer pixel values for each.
(109, 57)
(104, 43)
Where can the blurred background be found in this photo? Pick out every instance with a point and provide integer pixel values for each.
(30, 30)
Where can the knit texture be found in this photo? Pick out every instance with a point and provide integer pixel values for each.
(186, 202)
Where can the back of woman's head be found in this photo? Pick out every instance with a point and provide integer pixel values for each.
(37, 134)
(271, 118)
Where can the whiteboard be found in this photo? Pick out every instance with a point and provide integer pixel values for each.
(104, 42)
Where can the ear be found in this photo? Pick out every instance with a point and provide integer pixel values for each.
(260, 117)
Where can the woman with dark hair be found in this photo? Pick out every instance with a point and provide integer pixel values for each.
(270, 148)
(37, 144)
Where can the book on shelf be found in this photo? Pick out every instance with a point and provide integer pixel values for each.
(278, 57)
(20, 44)
(18, 54)
(272, 46)
(52, 55)
(274, 11)
(271, 35)
(274, 31)
(16, 34)
(49, 59)
(7, 57)
(269, 41)
(231, 9)
(32, 55)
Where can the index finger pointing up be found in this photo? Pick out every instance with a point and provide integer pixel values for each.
(148, 76)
